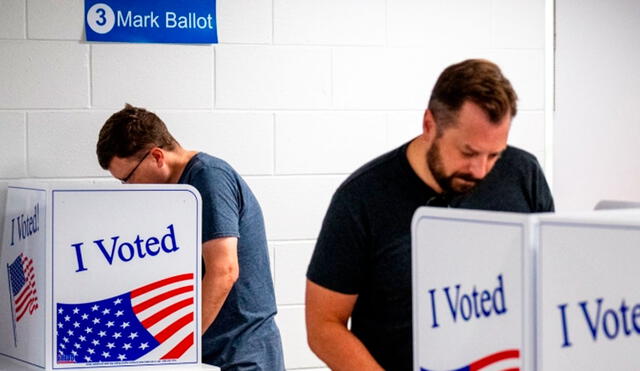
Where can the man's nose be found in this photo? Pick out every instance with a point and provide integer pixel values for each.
(479, 167)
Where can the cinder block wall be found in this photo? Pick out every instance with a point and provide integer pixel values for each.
(297, 95)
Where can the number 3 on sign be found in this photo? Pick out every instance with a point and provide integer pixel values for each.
(101, 18)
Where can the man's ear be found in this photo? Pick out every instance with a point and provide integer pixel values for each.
(158, 155)
(429, 129)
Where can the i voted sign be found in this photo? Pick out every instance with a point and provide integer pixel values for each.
(469, 290)
(22, 281)
(151, 21)
(589, 303)
(125, 276)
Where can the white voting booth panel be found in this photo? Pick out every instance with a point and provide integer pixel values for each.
(589, 301)
(529, 292)
(96, 277)
(470, 286)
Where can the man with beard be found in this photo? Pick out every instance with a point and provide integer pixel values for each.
(361, 266)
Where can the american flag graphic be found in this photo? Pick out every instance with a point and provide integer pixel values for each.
(506, 360)
(146, 324)
(22, 282)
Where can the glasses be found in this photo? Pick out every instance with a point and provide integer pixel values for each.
(126, 179)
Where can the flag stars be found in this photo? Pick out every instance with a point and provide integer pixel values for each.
(106, 311)
(88, 330)
(70, 332)
(91, 351)
(124, 325)
(117, 301)
(77, 346)
(60, 310)
(117, 335)
(133, 335)
(74, 353)
(62, 346)
(110, 324)
(96, 321)
(82, 338)
(67, 318)
(65, 339)
(106, 354)
(76, 310)
(102, 334)
(126, 346)
(121, 357)
(119, 313)
(85, 316)
(87, 358)
(144, 346)
(96, 342)
(60, 325)
(76, 324)
(111, 345)
(95, 307)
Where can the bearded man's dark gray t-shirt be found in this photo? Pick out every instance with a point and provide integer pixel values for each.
(364, 246)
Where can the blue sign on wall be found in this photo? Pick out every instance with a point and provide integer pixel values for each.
(151, 21)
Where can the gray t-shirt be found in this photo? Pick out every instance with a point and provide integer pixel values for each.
(364, 246)
(244, 334)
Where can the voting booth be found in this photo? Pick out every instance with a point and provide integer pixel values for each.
(96, 277)
(588, 297)
(525, 292)
(471, 290)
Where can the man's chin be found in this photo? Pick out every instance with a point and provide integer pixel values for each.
(463, 186)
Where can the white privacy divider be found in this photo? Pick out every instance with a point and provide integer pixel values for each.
(588, 297)
(470, 295)
(525, 291)
(101, 276)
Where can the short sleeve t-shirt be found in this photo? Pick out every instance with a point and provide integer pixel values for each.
(244, 332)
(364, 246)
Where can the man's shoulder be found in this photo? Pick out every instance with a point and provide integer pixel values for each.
(514, 159)
(370, 174)
(204, 163)
(205, 172)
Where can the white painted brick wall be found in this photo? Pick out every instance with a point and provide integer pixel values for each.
(297, 94)
(316, 143)
(230, 136)
(294, 335)
(250, 77)
(63, 144)
(329, 22)
(294, 206)
(38, 74)
(55, 19)
(517, 24)
(245, 21)
(166, 76)
(440, 25)
(12, 19)
(292, 259)
(13, 145)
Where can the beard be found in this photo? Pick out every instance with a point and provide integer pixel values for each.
(450, 184)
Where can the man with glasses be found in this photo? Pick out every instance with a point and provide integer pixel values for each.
(238, 301)
(361, 265)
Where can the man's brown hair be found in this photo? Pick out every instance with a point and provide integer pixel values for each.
(477, 80)
(128, 132)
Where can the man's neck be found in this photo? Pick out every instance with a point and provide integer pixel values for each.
(177, 161)
(417, 157)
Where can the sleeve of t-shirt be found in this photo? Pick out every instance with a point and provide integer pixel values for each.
(543, 197)
(338, 260)
(220, 203)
